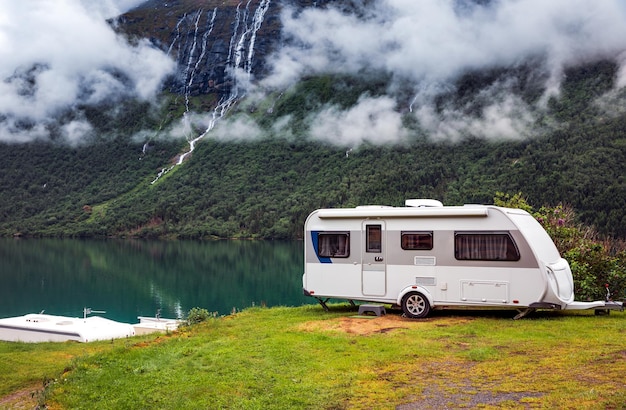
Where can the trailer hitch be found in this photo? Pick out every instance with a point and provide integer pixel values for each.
(609, 304)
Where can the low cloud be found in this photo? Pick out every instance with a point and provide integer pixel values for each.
(372, 119)
(509, 119)
(436, 40)
(240, 128)
(425, 46)
(235, 128)
(110, 8)
(57, 56)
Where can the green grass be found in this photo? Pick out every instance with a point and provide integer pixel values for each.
(305, 358)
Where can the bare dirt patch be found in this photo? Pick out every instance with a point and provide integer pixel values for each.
(368, 325)
(21, 399)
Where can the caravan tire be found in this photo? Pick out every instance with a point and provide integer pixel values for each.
(415, 305)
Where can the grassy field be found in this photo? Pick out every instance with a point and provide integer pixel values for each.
(305, 358)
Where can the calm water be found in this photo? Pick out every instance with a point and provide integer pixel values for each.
(135, 278)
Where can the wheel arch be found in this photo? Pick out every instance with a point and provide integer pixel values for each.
(415, 288)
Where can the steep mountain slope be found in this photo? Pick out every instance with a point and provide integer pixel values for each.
(207, 38)
(345, 133)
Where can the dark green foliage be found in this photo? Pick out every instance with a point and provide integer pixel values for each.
(583, 84)
(266, 188)
(197, 315)
(50, 189)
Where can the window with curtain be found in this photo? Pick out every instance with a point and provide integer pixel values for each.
(416, 241)
(487, 246)
(333, 245)
(374, 239)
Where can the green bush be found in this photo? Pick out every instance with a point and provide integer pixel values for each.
(198, 315)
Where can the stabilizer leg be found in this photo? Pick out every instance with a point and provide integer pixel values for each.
(323, 303)
(524, 313)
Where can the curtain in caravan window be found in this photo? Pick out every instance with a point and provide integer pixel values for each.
(333, 245)
(412, 241)
(486, 247)
(374, 239)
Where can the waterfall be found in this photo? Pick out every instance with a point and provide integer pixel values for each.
(189, 76)
(242, 43)
(180, 21)
(205, 41)
(257, 20)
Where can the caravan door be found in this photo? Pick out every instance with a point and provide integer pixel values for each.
(374, 264)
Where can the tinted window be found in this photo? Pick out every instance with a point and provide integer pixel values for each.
(496, 246)
(374, 236)
(333, 245)
(417, 241)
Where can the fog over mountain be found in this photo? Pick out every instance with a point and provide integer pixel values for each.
(56, 57)
(425, 46)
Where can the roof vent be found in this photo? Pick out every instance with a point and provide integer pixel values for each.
(423, 203)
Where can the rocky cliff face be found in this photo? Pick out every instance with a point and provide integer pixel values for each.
(213, 42)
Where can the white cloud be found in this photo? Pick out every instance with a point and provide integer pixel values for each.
(55, 55)
(237, 128)
(110, 8)
(371, 119)
(621, 75)
(435, 39)
(75, 131)
(426, 45)
(241, 128)
(506, 119)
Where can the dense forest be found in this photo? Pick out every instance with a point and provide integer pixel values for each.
(265, 187)
(312, 110)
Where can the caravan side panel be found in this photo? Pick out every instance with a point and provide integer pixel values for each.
(428, 250)
(336, 276)
(453, 282)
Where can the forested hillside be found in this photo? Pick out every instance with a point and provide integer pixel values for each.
(265, 188)
(276, 156)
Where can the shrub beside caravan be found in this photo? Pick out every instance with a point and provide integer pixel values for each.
(428, 256)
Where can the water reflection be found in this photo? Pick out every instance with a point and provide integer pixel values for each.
(131, 278)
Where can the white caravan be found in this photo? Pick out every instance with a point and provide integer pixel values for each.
(428, 256)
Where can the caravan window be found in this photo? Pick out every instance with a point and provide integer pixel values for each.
(374, 239)
(485, 246)
(333, 244)
(416, 241)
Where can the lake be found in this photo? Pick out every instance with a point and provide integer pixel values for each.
(130, 278)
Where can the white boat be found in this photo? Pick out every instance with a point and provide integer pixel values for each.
(155, 324)
(32, 328)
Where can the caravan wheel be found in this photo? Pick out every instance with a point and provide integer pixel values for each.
(415, 305)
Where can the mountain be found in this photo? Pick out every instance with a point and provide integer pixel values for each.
(272, 109)
(206, 39)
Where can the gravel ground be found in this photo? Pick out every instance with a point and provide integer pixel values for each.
(434, 398)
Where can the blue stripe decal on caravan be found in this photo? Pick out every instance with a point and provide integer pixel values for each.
(315, 242)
